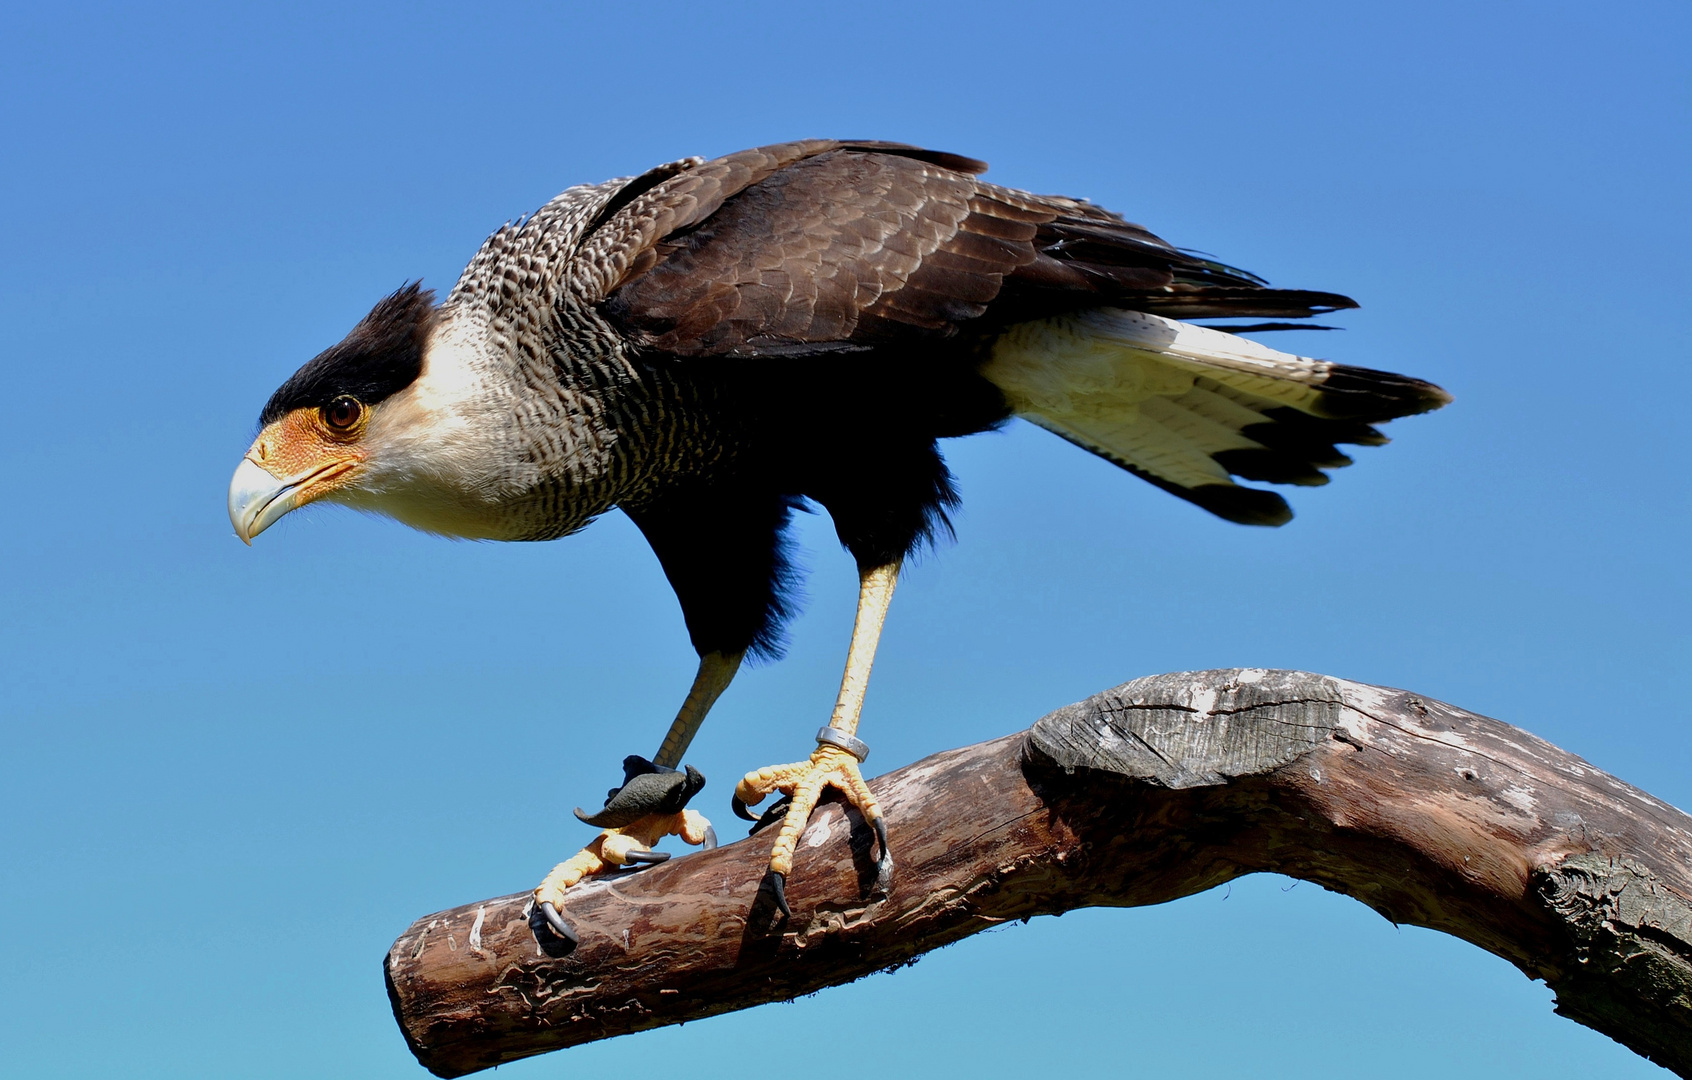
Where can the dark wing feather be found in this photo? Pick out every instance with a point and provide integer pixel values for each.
(823, 246)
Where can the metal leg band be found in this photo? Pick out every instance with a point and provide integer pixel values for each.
(833, 736)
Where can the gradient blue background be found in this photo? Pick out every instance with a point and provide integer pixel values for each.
(230, 777)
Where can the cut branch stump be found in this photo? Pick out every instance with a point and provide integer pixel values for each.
(1162, 787)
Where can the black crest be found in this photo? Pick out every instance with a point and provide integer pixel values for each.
(382, 356)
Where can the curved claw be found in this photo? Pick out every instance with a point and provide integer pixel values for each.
(883, 865)
(775, 813)
(710, 840)
(776, 883)
(555, 922)
(646, 855)
(740, 810)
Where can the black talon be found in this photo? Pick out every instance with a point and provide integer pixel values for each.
(710, 839)
(883, 865)
(740, 810)
(776, 883)
(555, 922)
(775, 813)
(646, 855)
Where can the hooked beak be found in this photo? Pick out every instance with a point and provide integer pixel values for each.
(294, 461)
(257, 499)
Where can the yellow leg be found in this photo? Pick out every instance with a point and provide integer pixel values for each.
(831, 764)
(716, 671)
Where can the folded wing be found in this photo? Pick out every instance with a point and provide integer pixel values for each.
(819, 247)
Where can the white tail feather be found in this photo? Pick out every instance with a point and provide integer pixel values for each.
(1155, 394)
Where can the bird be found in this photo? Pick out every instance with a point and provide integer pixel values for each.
(714, 345)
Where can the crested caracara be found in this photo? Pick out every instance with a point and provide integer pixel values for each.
(712, 344)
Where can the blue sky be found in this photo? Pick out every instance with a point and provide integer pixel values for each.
(233, 776)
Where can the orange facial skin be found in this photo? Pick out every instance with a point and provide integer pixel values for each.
(303, 448)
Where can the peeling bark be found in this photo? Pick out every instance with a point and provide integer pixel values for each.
(1160, 788)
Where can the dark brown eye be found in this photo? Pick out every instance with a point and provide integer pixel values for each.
(342, 413)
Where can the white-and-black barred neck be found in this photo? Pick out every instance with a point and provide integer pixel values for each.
(590, 423)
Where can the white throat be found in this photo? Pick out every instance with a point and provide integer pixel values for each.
(444, 454)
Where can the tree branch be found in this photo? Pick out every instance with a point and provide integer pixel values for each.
(1163, 787)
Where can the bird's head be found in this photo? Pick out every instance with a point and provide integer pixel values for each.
(325, 430)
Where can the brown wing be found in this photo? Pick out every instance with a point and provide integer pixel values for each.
(824, 246)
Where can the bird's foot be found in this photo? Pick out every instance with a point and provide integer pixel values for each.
(629, 846)
(833, 764)
(651, 804)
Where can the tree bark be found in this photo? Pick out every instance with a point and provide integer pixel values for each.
(1162, 787)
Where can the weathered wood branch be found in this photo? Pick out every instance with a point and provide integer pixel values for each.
(1160, 788)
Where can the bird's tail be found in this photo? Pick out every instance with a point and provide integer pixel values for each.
(1189, 408)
